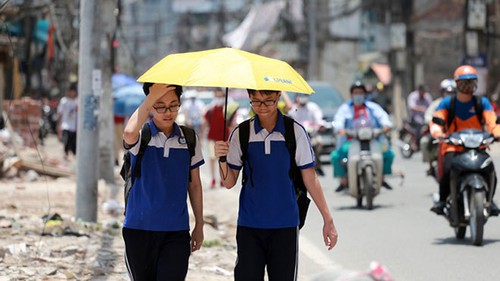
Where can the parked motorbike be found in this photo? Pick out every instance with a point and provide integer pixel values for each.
(364, 162)
(472, 183)
(409, 136)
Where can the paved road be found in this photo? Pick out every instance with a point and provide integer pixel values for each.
(400, 233)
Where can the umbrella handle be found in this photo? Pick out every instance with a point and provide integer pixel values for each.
(225, 114)
(223, 158)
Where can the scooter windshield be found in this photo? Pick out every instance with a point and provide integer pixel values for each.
(472, 139)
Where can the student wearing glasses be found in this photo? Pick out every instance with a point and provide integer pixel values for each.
(156, 226)
(267, 232)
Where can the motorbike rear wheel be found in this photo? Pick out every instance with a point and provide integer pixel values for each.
(405, 148)
(477, 218)
(368, 187)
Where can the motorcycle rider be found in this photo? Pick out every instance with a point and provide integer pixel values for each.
(447, 87)
(309, 115)
(351, 110)
(465, 118)
(418, 101)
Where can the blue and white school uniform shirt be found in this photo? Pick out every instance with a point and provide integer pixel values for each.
(158, 199)
(271, 201)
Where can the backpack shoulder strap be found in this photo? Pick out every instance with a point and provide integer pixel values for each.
(145, 138)
(291, 143)
(244, 136)
(451, 112)
(479, 108)
(190, 136)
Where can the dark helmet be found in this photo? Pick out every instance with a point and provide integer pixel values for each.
(358, 85)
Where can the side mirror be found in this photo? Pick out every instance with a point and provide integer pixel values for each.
(439, 121)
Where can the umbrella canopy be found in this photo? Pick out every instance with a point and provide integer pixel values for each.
(226, 67)
(119, 80)
(127, 99)
(129, 91)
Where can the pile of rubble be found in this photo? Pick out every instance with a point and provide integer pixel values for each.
(41, 240)
(22, 158)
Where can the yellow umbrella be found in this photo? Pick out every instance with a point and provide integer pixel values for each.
(226, 67)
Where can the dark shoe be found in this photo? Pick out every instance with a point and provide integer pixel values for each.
(438, 208)
(340, 188)
(386, 185)
(494, 211)
(430, 172)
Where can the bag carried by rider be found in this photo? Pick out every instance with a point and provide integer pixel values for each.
(300, 189)
(127, 168)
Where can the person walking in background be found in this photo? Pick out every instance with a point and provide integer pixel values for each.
(268, 219)
(193, 109)
(67, 112)
(214, 123)
(156, 225)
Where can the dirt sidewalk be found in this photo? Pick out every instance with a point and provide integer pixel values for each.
(65, 249)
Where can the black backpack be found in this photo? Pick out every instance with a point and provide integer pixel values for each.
(126, 169)
(300, 189)
(478, 104)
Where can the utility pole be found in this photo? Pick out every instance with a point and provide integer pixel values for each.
(312, 70)
(108, 24)
(88, 104)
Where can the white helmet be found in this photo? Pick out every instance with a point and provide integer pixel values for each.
(448, 86)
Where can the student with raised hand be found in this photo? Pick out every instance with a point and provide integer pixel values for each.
(156, 226)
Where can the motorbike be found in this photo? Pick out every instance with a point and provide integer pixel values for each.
(409, 136)
(472, 183)
(313, 130)
(430, 154)
(364, 162)
(47, 122)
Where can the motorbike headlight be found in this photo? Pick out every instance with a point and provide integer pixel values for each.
(365, 133)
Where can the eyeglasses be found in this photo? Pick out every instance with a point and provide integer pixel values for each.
(258, 103)
(163, 109)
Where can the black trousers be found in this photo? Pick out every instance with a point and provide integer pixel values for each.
(275, 248)
(69, 141)
(156, 255)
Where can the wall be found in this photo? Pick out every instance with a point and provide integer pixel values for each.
(24, 115)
